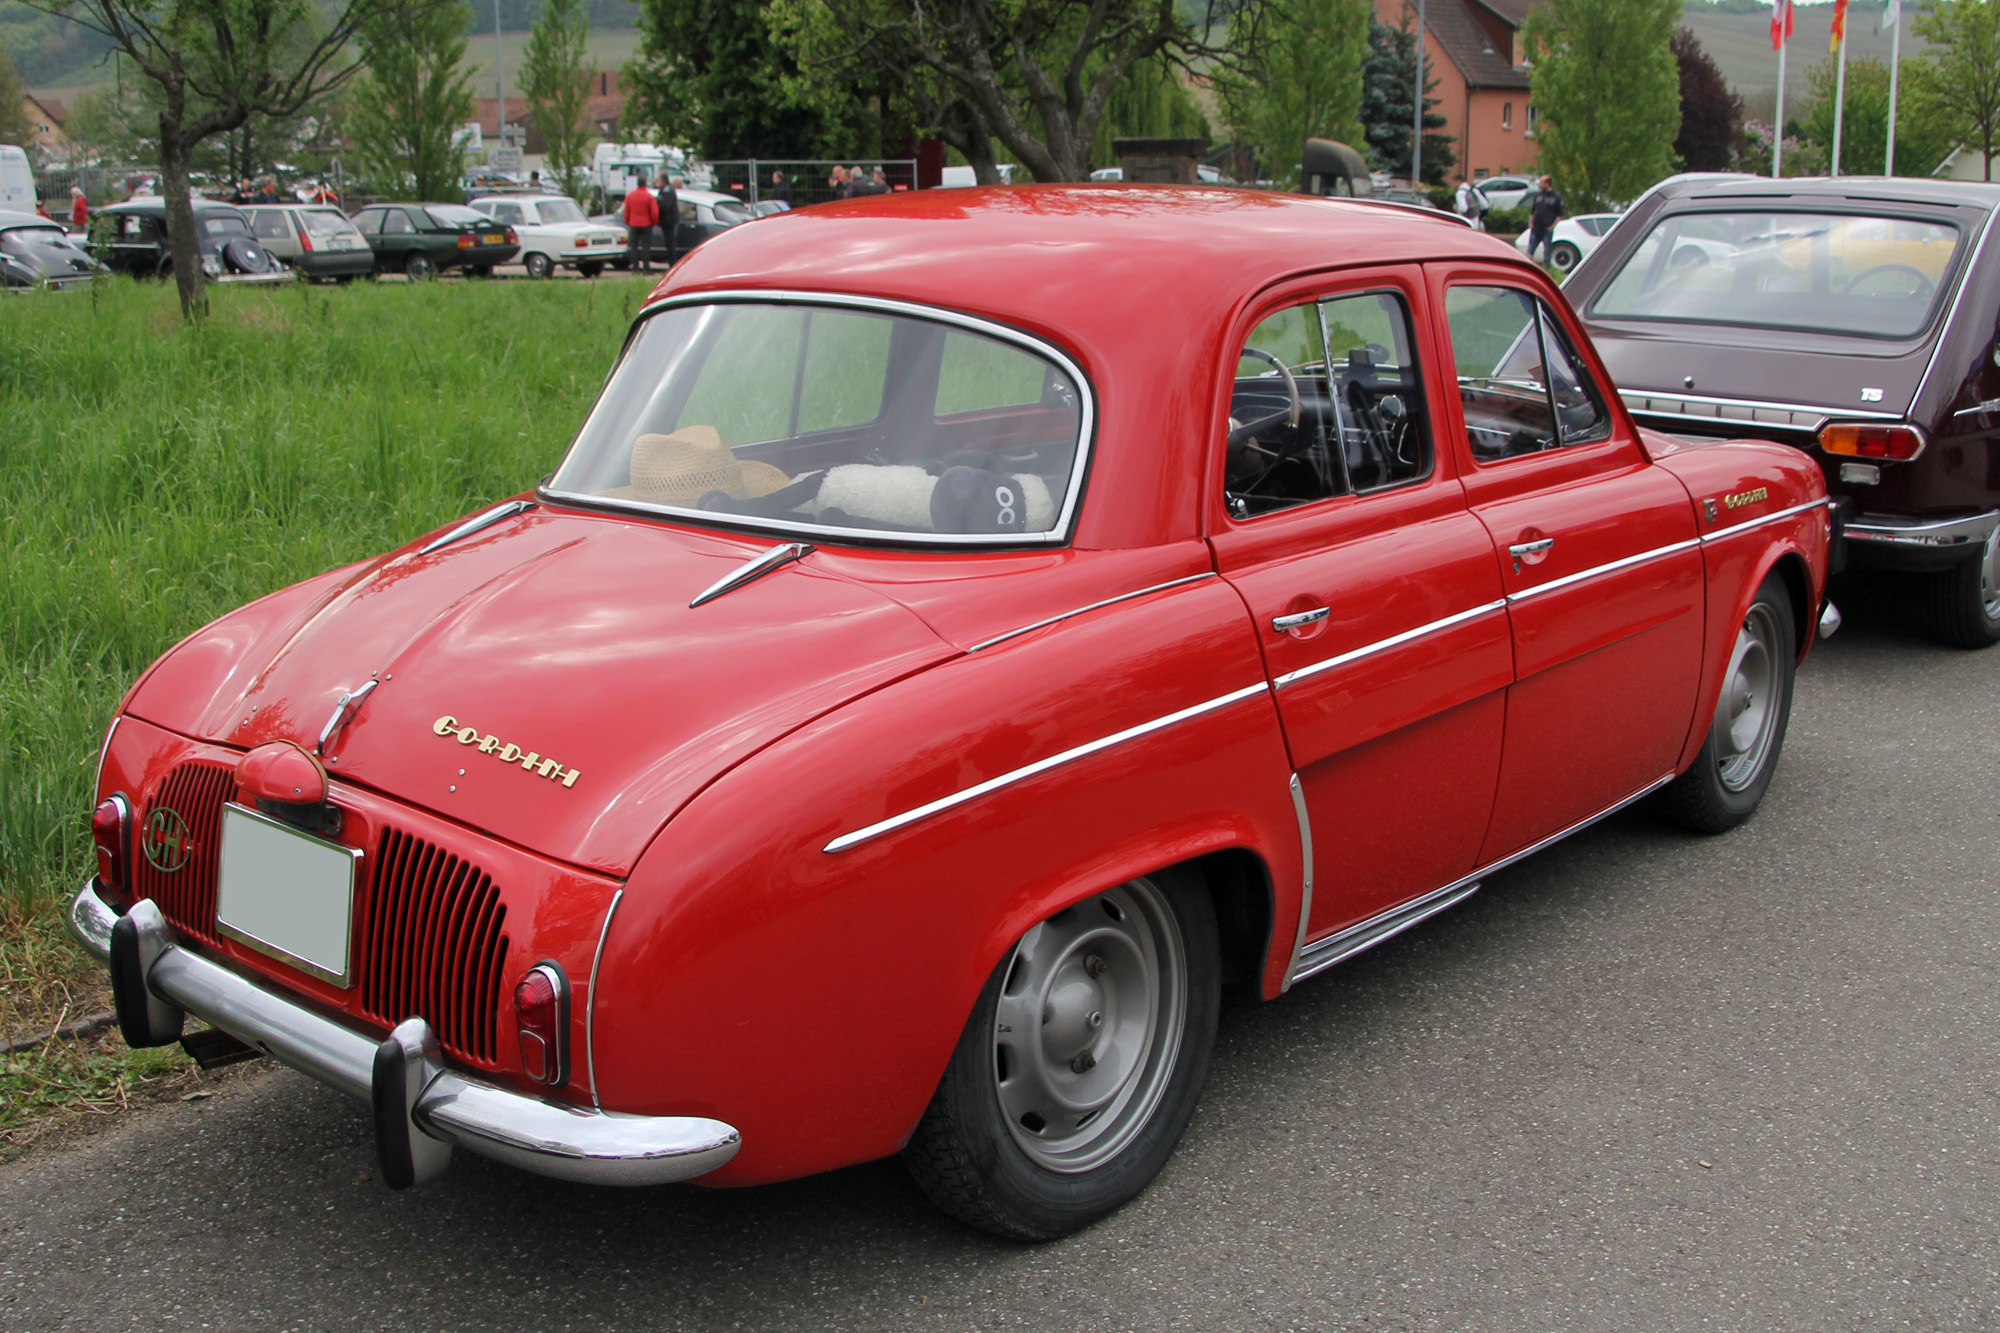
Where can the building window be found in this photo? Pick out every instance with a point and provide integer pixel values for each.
(1506, 115)
(1532, 119)
(1478, 173)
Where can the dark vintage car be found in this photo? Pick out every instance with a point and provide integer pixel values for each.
(132, 238)
(35, 252)
(1852, 318)
(923, 684)
(422, 240)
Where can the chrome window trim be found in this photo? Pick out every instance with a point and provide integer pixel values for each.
(1754, 523)
(590, 1000)
(1086, 435)
(1094, 606)
(1325, 952)
(104, 753)
(1598, 571)
(1393, 641)
(960, 797)
(1306, 881)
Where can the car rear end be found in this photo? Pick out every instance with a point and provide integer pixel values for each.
(477, 240)
(329, 245)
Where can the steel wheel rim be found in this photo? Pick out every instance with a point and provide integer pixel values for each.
(1746, 716)
(1088, 1027)
(1989, 576)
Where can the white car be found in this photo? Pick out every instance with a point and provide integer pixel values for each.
(554, 232)
(1507, 191)
(1204, 174)
(1573, 239)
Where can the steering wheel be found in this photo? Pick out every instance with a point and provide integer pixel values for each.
(1241, 431)
(1924, 285)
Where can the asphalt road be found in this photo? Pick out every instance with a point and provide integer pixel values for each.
(1644, 1081)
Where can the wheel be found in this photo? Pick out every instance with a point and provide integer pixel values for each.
(419, 267)
(1563, 256)
(590, 269)
(1729, 776)
(1080, 1066)
(539, 265)
(1965, 599)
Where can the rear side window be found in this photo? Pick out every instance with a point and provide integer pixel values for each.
(396, 222)
(1521, 386)
(270, 225)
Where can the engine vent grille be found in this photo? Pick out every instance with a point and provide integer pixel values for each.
(435, 945)
(182, 829)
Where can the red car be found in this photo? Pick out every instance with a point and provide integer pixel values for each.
(971, 628)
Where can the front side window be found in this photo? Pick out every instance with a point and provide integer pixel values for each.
(1326, 402)
(1520, 384)
(1841, 273)
(841, 419)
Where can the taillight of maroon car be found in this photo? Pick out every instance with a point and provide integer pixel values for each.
(1890, 441)
(541, 1013)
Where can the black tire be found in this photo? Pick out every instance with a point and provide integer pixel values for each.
(539, 265)
(1731, 774)
(1964, 602)
(590, 269)
(419, 267)
(1563, 256)
(966, 1154)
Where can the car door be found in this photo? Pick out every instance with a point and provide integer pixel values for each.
(1598, 554)
(1375, 594)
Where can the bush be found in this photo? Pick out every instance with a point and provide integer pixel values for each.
(1506, 221)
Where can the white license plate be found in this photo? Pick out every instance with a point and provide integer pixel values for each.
(347, 242)
(286, 893)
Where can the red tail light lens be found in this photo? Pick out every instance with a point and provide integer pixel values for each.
(111, 831)
(583, 242)
(1898, 443)
(513, 237)
(306, 242)
(541, 1016)
(466, 240)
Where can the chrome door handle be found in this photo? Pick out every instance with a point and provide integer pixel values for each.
(1520, 549)
(1286, 624)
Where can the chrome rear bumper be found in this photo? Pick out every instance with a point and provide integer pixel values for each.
(435, 1107)
(1890, 530)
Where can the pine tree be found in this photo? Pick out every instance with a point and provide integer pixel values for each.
(1387, 107)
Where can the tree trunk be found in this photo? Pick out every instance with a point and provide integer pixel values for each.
(182, 244)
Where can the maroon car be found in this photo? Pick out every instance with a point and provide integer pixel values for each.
(1853, 318)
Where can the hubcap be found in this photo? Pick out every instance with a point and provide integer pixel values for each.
(1989, 576)
(1746, 717)
(1088, 1025)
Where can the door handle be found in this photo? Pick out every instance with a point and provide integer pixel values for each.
(1286, 624)
(1520, 549)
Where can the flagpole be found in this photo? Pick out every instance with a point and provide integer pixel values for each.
(1895, 63)
(1417, 131)
(1839, 101)
(1778, 130)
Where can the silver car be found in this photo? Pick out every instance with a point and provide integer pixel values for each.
(315, 239)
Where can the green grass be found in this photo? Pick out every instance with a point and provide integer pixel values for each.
(154, 476)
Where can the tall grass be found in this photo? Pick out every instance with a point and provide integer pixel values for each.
(153, 476)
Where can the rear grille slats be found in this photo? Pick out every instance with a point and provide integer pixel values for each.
(436, 945)
(430, 936)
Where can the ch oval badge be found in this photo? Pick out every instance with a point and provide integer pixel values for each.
(165, 841)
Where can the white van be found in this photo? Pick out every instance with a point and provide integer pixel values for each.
(17, 180)
(960, 177)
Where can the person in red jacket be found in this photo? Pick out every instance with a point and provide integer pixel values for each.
(641, 212)
(79, 208)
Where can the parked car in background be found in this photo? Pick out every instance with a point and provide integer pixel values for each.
(132, 238)
(423, 240)
(922, 685)
(1853, 319)
(1572, 239)
(554, 233)
(704, 213)
(38, 253)
(1204, 175)
(1507, 191)
(315, 239)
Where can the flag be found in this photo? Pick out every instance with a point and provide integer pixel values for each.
(1781, 22)
(1839, 24)
(1892, 13)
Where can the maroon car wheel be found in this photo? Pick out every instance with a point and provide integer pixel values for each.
(1965, 600)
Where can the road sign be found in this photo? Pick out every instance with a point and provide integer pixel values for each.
(506, 159)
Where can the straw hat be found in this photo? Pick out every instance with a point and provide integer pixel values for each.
(680, 468)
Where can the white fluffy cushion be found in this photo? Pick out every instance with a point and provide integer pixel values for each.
(900, 493)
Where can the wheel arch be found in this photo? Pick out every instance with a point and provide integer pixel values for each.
(1791, 566)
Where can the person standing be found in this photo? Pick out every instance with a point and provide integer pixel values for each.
(1545, 209)
(670, 219)
(1471, 204)
(781, 189)
(837, 182)
(641, 211)
(79, 209)
(879, 183)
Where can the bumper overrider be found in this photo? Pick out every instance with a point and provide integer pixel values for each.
(421, 1109)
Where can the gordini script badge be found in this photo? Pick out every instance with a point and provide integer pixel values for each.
(506, 753)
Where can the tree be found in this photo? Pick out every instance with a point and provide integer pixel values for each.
(1960, 75)
(1036, 74)
(215, 64)
(1922, 136)
(15, 128)
(409, 109)
(1152, 103)
(709, 76)
(1298, 76)
(555, 80)
(1711, 115)
(1388, 106)
(1607, 87)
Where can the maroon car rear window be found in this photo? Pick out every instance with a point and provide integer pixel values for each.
(1842, 273)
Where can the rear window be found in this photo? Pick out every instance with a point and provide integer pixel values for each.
(457, 215)
(728, 210)
(1842, 273)
(326, 222)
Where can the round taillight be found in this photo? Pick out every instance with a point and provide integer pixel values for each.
(541, 1019)
(111, 834)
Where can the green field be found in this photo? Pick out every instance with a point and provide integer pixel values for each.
(153, 476)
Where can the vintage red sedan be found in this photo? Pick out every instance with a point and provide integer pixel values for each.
(970, 629)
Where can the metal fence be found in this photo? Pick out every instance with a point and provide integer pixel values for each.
(102, 183)
(811, 182)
